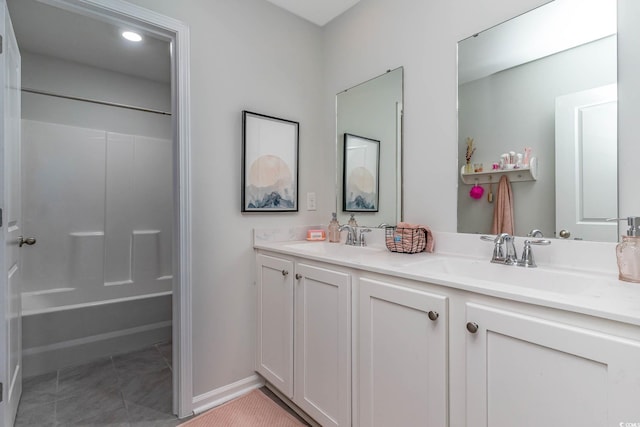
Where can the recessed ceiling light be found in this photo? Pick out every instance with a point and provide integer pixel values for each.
(131, 36)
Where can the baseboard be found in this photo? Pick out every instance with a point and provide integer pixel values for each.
(223, 394)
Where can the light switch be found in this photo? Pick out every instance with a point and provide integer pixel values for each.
(311, 201)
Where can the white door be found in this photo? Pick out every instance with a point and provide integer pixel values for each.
(402, 353)
(529, 372)
(274, 335)
(587, 164)
(10, 335)
(322, 367)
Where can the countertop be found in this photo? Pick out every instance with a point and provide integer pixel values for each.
(594, 293)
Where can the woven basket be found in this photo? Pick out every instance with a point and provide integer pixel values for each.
(405, 240)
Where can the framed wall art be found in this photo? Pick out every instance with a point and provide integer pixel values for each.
(269, 163)
(361, 174)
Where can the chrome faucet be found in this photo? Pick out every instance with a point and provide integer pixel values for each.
(504, 251)
(352, 237)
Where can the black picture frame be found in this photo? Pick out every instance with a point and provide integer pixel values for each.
(361, 174)
(270, 152)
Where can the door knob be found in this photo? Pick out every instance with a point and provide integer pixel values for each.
(565, 234)
(433, 315)
(28, 241)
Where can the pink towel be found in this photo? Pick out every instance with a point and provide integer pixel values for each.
(503, 210)
(411, 244)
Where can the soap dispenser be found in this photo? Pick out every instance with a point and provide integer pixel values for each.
(628, 251)
(334, 229)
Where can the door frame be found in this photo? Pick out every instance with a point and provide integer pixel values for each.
(177, 33)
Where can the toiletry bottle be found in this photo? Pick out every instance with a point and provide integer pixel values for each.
(352, 221)
(333, 229)
(628, 252)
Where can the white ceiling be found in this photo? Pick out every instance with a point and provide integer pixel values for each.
(51, 31)
(319, 12)
(47, 30)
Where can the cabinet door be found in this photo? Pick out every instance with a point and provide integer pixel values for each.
(323, 344)
(274, 334)
(402, 356)
(529, 372)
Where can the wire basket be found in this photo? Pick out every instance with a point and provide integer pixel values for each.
(405, 240)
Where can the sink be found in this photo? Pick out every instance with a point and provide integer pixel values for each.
(326, 248)
(540, 278)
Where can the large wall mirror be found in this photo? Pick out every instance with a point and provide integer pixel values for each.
(546, 80)
(369, 176)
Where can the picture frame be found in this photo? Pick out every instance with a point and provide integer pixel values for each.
(270, 151)
(361, 172)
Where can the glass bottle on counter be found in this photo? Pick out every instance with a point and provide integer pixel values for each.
(628, 252)
(334, 229)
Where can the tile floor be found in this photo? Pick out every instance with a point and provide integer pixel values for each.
(132, 390)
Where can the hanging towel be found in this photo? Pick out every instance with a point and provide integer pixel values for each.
(430, 243)
(503, 210)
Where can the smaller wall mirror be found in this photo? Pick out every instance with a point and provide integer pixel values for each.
(369, 118)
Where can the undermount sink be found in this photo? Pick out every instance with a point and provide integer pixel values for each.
(326, 248)
(552, 280)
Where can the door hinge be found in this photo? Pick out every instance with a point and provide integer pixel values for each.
(1, 43)
(1, 394)
(0, 217)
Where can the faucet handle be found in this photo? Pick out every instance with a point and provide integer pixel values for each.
(361, 239)
(527, 254)
(498, 250)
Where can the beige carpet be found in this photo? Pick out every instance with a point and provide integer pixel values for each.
(252, 410)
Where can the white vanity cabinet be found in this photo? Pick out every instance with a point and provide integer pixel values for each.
(402, 355)
(303, 338)
(523, 370)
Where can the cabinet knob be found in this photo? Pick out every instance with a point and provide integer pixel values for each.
(472, 327)
(298, 276)
(433, 315)
(285, 273)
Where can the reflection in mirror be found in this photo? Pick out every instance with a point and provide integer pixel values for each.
(544, 80)
(373, 111)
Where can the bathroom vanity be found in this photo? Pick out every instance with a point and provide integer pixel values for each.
(365, 337)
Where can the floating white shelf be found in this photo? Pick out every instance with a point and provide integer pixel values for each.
(529, 173)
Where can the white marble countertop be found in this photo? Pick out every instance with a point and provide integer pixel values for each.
(569, 286)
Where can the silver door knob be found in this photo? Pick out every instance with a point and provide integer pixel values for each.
(28, 241)
(433, 315)
(298, 276)
(285, 273)
(472, 327)
(565, 234)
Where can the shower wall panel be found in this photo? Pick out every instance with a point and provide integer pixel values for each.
(100, 205)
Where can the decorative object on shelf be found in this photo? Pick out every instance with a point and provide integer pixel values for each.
(476, 191)
(361, 174)
(269, 163)
(529, 173)
(490, 194)
(470, 150)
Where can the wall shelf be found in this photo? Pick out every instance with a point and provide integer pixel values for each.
(515, 175)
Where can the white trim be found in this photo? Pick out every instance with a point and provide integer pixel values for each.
(94, 338)
(178, 33)
(221, 395)
(91, 304)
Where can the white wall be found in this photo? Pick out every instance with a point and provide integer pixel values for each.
(515, 108)
(67, 78)
(249, 55)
